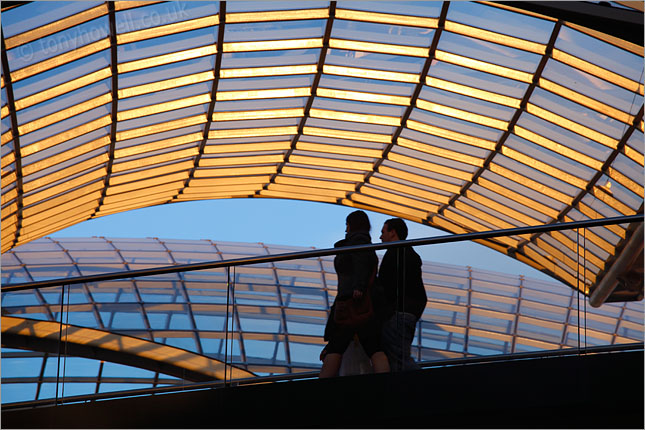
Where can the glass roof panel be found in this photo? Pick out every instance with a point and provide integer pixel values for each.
(502, 21)
(589, 48)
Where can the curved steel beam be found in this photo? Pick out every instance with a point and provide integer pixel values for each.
(86, 342)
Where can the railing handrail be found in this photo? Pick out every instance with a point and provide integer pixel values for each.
(434, 240)
(601, 349)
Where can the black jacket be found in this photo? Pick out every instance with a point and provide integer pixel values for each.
(354, 269)
(411, 295)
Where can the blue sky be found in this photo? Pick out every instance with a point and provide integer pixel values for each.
(280, 222)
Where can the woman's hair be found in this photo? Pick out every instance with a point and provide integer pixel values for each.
(358, 221)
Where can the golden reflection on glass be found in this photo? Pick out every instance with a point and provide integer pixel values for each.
(491, 36)
(157, 145)
(147, 183)
(160, 128)
(263, 94)
(164, 30)
(370, 74)
(152, 172)
(593, 104)
(338, 149)
(107, 341)
(382, 48)
(483, 66)
(597, 71)
(612, 202)
(531, 184)
(63, 198)
(63, 88)
(56, 26)
(60, 60)
(61, 189)
(235, 171)
(251, 72)
(296, 196)
(30, 185)
(451, 135)
(65, 136)
(572, 126)
(153, 192)
(247, 147)
(322, 173)
(247, 188)
(557, 148)
(252, 132)
(501, 208)
(413, 191)
(396, 198)
(343, 134)
(380, 205)
(471, 225)
(9, 158)
(160, 60)
(440, 152)
(315, 183)
(519, 198)
(273, 45)
(428, 166)
(361, 96)
(355, 117)
(64, 114)
(78, 208)
(229, 181)
(384, 18)
(330, 162)
(244, 160)
(277, 15)
(419, 179)
(544, 167)
(258, 114)
(8, 196)
(166, 84)
(154, 160)
(163, 107)
(634, 155)
(101, 142)
(336, 194)
(6, 137)
(462, 114)
(8, 179)
(473, 92)
(626, 182)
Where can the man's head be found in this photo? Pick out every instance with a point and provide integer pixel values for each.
(394, 229)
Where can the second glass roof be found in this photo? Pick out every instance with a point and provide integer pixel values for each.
(464, 116)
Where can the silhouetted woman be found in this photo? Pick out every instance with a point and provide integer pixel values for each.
(354, 271)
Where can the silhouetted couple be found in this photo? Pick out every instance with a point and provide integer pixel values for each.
(397, 296)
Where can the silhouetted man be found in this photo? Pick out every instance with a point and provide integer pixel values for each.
(405, 296)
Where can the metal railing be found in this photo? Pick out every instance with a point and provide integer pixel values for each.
(226, 264)
(435, 240)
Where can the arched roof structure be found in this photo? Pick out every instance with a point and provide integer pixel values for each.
(174, 324)
(27, 333)
(465, 116)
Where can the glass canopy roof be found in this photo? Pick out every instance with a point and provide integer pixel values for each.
(465, 116)
(278, 315)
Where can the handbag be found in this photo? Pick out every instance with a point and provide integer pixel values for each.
(351, 312)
